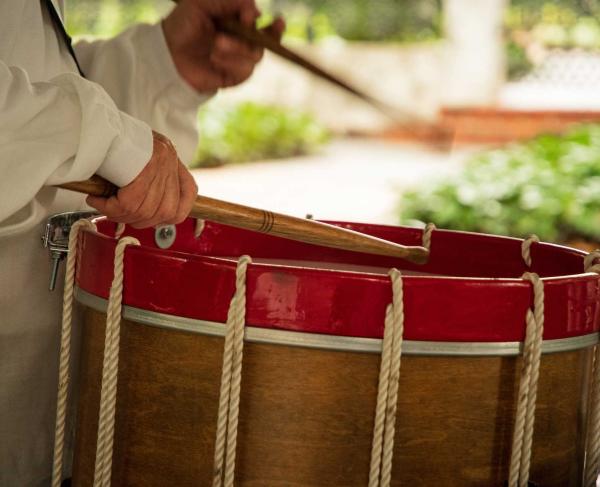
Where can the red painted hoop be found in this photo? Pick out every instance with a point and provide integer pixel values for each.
(478, 295)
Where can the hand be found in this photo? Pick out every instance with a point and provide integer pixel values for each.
(208, 59)
(163, 193)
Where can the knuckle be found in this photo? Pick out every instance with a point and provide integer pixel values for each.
(129, 206)
(167, 215)
(181, 215)
(145, 214)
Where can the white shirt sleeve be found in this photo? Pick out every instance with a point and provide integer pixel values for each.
(137, 70)
(64, 129)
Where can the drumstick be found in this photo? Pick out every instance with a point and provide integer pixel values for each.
(262, 39)
(285, 226)
(259, 38)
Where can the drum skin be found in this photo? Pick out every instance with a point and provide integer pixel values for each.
(306, 414)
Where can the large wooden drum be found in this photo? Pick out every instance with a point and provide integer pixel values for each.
(314, 324)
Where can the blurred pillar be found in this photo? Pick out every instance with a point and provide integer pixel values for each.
(473, 29)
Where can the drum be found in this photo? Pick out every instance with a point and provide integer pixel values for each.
(312, 357)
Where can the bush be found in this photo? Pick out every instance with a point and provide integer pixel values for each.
(249, 132)
(109, 17)
(549, 186)
(360, 20)
(557, 23)
(517, 62)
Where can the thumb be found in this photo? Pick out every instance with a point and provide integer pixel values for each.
(97, 202)
(275, 29)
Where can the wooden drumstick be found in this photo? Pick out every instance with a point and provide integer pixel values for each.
(285, 226)
(259, 38)
(262, 39)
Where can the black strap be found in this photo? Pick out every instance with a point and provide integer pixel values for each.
(61, 29)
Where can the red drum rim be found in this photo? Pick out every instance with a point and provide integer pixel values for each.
(487, 303)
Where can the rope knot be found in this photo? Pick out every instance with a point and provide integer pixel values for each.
(589, 262)
(526, 248)
(199, 227)
(427, 233)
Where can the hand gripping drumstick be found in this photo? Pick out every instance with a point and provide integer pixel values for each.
(410, 122)
(256, 37)
(263, 221)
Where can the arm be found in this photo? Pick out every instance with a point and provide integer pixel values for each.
(161, 73)
(62, 130)
(136, 70)
(67, 129)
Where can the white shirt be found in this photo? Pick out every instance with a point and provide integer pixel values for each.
(56, 126)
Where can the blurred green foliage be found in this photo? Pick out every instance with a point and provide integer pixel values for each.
(360, 20)
(307, 20)
(548, 24)
(549, 186)
(107, 18)
(517, 62)
(250, 131)
(557, 23)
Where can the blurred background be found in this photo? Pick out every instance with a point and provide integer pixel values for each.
(501, 98)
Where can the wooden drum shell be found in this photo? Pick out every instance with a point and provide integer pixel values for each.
(306, 415)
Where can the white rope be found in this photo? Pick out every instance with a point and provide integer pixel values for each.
(231, 377)
(526, 248)
(380, 472)
(427, 232)
(526, 402)
(110, 368)
(65, 352)
(589, 262)
(120, 228)
(592, 463)
(199, 227)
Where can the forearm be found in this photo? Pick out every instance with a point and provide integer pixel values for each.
(137, 71)
(62, 130)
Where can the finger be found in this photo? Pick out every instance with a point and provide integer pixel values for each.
(233, 71)
(150, 202)
(276, 28)
(248, 12)
(97, 202)
(228, 46)
(189, 191)
(234, 64)
(167, 211)
(111, 208)
(153, 211)
(245, 10)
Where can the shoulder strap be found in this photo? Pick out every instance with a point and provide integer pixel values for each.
(58, 24)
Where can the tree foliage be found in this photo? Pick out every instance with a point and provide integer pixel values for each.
(250, 131)
(107, 18)
(549, 186)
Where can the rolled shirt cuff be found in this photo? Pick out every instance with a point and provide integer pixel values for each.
(129, 151)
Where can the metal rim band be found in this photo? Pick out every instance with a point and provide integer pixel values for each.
(333, 342)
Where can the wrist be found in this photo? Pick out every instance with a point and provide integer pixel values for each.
(168, 30)
(180, 57)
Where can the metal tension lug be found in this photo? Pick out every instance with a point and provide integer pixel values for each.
(56, 238)
(164, 236)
